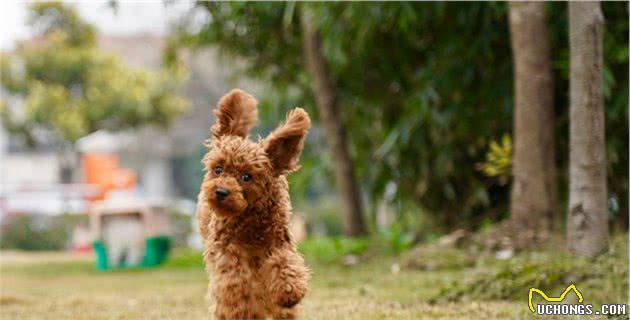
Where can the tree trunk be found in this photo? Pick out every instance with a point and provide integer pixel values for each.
(331, 121)
(533, 196)
(587, 221)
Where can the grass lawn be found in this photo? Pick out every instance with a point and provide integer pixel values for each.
(64, 286)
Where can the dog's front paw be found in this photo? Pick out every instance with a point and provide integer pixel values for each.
(290, 296)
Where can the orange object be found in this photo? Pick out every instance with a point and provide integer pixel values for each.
(124, 179)
(101, 169)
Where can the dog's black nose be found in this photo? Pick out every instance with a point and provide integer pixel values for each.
(221, 193)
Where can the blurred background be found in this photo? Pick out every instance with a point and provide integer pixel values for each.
(426, 115)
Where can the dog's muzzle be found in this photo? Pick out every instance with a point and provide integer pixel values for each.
(221, 194)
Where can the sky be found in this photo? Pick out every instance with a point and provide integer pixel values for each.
(132, 17)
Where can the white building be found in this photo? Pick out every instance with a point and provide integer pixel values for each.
(165, 160)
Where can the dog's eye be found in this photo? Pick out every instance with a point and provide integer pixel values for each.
(218, 170)
(246, 178)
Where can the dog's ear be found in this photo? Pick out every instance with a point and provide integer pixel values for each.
(235, 114)
(284, 145)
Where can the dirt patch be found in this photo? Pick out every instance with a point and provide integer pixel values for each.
(10, 300)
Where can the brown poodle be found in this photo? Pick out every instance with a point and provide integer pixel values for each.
(244, 210)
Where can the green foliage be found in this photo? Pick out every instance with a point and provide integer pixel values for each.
(70, 88)
(423, 89)
(420, 76)
(332, 249)
(51, 17)
(395, 239)
(392, 241)
(616, 94)
(425, 82)
(36, 232)
(499, 159)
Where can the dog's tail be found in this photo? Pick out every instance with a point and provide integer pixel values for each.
(235, 114)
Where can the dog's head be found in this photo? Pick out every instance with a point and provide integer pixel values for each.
(240, 171)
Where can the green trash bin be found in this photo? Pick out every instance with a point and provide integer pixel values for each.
(101, 255)
(155, 252)
(155, 228)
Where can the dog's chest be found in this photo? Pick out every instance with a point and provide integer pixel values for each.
(252, 233)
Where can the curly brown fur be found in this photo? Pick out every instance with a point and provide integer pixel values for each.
(243, 214)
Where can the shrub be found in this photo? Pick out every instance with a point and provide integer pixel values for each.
(39, 232)
(604, 279)
(332, 249)
(395, 239)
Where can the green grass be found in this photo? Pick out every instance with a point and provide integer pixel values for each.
(60, 286)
